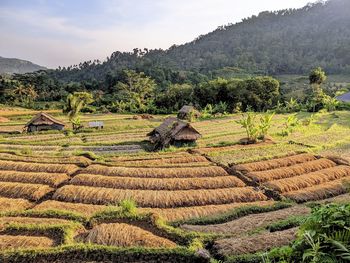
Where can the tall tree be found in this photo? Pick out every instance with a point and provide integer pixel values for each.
(136, 88)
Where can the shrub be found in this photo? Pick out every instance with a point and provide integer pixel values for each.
(128, 206)
(325, 235)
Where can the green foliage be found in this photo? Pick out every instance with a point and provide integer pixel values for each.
(74, 104)
(248, 122)
(317, 76)
(128, 206)
(137, 89)
(255, 130)
(288, 223)
(291, 122)
(265, 124)
(325, 235)
(292, 106)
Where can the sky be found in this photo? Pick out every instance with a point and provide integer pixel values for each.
(56, 33)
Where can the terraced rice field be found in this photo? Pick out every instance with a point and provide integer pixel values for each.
(51, 195)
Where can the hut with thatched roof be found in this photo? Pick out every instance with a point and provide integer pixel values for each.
(43, 122)
(173, 132)
(187, 113)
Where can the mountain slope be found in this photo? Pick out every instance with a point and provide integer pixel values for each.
(287, 41)
(13, 65)
(283, 42)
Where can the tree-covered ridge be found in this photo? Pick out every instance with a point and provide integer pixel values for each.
(289, 41)
(286, 41)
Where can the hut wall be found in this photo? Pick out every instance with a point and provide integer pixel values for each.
(34, 128)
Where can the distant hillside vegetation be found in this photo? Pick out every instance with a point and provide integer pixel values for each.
(14, 65)
(289, 41)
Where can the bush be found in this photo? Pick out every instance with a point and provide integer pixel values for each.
(325, 235)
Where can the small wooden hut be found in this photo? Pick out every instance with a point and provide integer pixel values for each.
(187, 112)
(173, 132)
(43, 122)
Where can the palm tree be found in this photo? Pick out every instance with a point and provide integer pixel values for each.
(75, 103)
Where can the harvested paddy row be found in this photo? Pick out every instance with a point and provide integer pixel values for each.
(32, 192)
(275, 163)
(38, 167)
(51, 179)
(14, 204)
(301, 178)
(187, 172)
(8, 242)
(170, 184)
(186, 213)
(79, 208)
(77, 160)
(158, 199)
(124, 235)
(290, 171)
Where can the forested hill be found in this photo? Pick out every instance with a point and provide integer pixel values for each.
(13, 65)
(283, 42)
(287, 41)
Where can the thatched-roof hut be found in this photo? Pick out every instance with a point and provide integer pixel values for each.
(173, 132)
(187, 112)
(43, 122)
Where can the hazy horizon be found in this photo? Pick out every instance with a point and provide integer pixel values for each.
(60, 33)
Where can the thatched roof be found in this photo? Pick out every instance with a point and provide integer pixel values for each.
(43, 118)
(187, 109)
(344, 98)
(173, 129)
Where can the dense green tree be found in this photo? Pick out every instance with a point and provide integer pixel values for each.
(317, 76)
(136, 89)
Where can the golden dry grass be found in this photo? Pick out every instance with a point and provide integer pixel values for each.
(157, 183)
(205, 150)
(187, 172)
(310, 179)
(32, 220)
(83, 209)
(159, 199)
(14, 204)
(319, 192)
(184, 213)
(290, 171)
(32, 192)
(150, 156)
(251, 244)
(125, 235)
(8, 242)
(176, 161)
(38, 167)
(51, 179)
(275, 163)
(159, 164)
(78, 160)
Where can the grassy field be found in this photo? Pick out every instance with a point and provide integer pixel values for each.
(63, 193)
